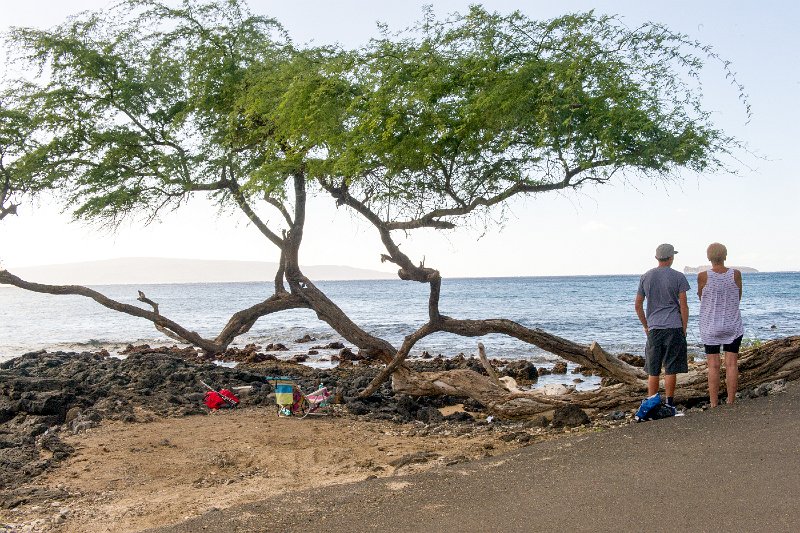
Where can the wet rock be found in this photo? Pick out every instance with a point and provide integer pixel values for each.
(584, 371)
(305, 338)
(569, 416)
(522, 371)
(299, 358)
(313, 352)
(334, 346)
(559, 368)
(346, 354)
(633, 360)
(276, 347)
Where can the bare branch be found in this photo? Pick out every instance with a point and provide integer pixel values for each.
(157, 319)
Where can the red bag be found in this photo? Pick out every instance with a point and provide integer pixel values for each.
(220, 400)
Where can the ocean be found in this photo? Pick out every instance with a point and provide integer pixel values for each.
(580, 308)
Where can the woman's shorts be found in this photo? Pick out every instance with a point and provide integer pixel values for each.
(731, 348)
(667, 348)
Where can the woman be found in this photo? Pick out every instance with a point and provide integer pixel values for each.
(720, 290)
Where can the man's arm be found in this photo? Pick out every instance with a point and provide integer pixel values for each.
(639, 305)
(684, 310)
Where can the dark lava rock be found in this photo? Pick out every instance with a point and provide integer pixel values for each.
(633, 360)
(41, 393)
(300, 357)
(334, 346)
(357, 407)
(569, 416)
(536, 422)
(560, 368)
(52, 443)
(459, 416)
(276, 347)
(305, 338)
(522, 371)
(429, 415)
(346, 354)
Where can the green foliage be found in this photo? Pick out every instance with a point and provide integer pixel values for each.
(20, 154)
(141, 105)
(454, 114)
(136, 107)
(749, 343)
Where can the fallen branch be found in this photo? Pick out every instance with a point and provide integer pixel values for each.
(239, 322)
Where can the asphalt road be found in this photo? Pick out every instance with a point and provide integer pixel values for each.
(734, 468)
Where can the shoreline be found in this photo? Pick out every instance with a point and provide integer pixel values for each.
(137, 449)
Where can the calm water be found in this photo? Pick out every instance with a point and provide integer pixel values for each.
(582, 309)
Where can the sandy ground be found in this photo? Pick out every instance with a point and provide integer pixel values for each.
(132, 476)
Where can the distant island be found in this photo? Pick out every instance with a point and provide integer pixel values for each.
(703, 268)
(130, 270)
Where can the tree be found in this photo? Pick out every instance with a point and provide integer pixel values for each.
(19, 150)
(448, 120)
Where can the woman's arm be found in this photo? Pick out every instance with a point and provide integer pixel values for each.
(737, 278)
(702, 279)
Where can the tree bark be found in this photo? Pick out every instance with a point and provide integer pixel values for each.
(778, 359)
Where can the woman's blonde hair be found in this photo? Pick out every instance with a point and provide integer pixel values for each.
(716, 253)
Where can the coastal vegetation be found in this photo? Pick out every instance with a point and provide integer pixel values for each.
(134, 110)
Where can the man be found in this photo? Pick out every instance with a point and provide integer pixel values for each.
(664, 322)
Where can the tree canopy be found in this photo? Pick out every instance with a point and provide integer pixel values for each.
(136, 108)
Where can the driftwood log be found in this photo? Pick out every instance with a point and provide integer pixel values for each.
(778, 359)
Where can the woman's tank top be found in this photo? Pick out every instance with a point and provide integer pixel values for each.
(720, 318)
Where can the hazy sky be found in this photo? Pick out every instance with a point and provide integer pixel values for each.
(613, 229)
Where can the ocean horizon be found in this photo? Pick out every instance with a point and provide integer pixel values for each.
(580, 308)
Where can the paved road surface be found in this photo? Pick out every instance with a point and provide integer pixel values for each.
(732, 469)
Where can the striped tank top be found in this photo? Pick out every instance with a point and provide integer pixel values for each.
(720, 318)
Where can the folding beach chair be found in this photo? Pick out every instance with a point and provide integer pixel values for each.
(292, 402)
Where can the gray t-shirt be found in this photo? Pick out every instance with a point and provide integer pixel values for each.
(661, 286)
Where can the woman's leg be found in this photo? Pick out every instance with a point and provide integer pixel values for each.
(713, 378)
(731, 375)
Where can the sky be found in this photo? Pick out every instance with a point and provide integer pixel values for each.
(613, 229)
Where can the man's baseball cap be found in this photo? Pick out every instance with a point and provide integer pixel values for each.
(665, 251)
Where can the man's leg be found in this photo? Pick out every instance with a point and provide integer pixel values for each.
(713, 377)
(652, 385)
(731, 375)
(669, 384)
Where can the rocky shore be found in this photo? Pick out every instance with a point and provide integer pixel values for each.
(52, 404)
